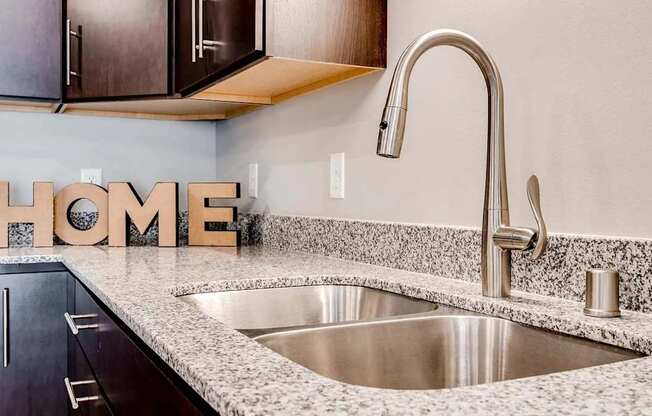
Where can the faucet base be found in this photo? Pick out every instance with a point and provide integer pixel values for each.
(495, 271)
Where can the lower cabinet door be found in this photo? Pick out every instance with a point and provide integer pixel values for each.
(33, 344)
(133, 383)
(84, 317)
(84, 394)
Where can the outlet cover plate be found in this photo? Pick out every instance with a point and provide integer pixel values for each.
(337, 176)
(91, 175)
(253, 180)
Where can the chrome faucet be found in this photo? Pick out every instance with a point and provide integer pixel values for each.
(498, 237)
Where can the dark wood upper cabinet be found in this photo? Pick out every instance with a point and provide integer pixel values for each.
(347, 32)
(306, 45)
(30, 49)
(184, 59)
(117, 48)
(215, 38)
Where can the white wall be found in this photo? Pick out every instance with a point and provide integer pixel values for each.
(49, 147)
(578, 85)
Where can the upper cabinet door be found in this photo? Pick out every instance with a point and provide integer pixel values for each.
(30, 49)
(116, 48)
(215, 38)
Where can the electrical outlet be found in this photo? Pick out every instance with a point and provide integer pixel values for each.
(253, 180)
(91, 175)
(337, 176)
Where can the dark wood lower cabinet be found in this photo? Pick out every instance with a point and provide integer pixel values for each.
(83, 384)
(134, 384)
(91, 365)
(33, 352)
(81, 304)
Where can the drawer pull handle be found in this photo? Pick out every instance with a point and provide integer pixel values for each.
(74, 401)
(74, 328)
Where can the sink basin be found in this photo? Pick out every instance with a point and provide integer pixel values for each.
(433, 352)
(260, 309)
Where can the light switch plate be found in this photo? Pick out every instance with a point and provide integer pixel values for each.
(337, 176)
(253, 180)
(91, 175)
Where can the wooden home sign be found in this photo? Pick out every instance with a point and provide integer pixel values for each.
(118, 207)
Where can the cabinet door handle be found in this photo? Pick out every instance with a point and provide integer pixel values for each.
(69, 34)
(260, 26)
(74, 328)
(5, 327)
(204, 44)
(194, 30)
(200, 46)
(74, 401)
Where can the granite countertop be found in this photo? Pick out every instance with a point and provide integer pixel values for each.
(237, 376)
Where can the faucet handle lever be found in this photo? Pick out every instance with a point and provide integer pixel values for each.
(534, 197)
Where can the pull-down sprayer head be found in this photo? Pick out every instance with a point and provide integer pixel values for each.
(392, 125)
(390, 133)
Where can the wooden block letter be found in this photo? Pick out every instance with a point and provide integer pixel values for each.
(40, 214)
(199, 214)
(125, 207)
(63, 202)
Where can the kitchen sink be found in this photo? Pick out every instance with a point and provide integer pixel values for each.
(434, 352)
(258, 310)
(374, 338)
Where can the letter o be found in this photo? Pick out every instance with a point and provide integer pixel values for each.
(63, 202)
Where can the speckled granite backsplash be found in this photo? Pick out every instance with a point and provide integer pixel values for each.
(454, 252)
(445, 251)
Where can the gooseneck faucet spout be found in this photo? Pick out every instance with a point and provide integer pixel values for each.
(498, 237)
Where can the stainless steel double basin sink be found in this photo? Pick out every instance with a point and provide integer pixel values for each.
(374, 338)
